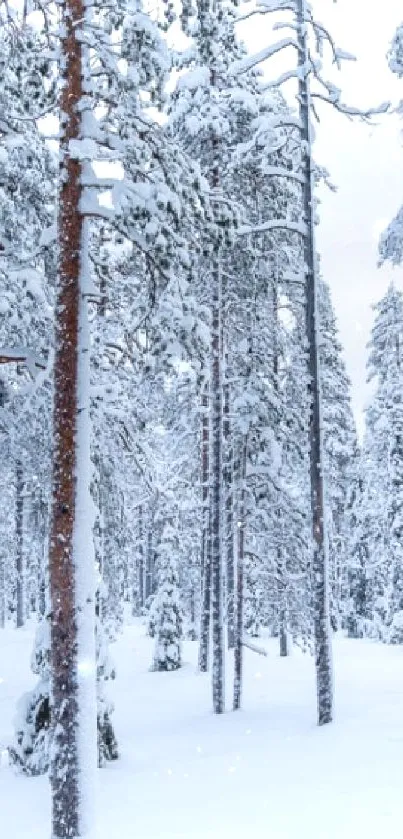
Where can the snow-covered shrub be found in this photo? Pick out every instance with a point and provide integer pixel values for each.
(107, 743)
(396, 629)
(32, 722)
(373, 628)
(31, 749)
(254, 597)
(150, 608)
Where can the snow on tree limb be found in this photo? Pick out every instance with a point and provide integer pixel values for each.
(329, 93)
(250, 61)
(284, 77)
(254, 647)
(48, 236)
(274, 224)
(22, 355)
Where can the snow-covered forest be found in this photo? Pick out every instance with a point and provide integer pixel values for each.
(201, 561)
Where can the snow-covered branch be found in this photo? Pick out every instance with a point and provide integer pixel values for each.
(284, 77)
(245, 64)
(9, 355)
(274, 224)
(348, 110)
(254, 647)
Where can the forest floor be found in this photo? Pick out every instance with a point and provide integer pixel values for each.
(266, 772)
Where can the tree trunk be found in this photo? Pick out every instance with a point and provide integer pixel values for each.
(229, 523)
(192, 634)
(282, 584)
(2, 592)
(19, 532)
(238, 652)
(140, 559)
(71, 550)
(3, 609)
(149, 581)
(283, 635)
(216, 513)
(205, 545)
(323, 654)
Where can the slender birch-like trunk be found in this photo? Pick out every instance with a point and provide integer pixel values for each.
(216, 420)
(238, 651)
(323, 653)
(149, 558)
(2, 592)
(206, 544)
(140, 558)
(216, 506)
(71, 552)
(281, 580)
(19, 532)
(229, 523)
(3, 610)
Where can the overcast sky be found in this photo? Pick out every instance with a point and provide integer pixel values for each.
(366, 164)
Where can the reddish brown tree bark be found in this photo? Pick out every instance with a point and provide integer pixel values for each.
(66, 765)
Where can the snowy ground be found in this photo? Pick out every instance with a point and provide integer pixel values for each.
(266, 772)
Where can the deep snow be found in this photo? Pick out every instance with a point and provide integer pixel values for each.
(266, 772)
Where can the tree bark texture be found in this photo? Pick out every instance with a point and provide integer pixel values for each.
(320, 574)
(238, 651)
(73, 694)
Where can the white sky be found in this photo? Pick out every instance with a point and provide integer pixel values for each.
(365, 163)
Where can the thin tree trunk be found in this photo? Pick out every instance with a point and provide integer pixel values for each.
(2, 592)
(323, 653)
(283, 634)
(149, 561)
(71, 550)
(238, 652)
(216, 504)
(216, 471)
(229, 523)
(192, 628)
(43, 576)
(282, 585)
(140, 559)
(216, 522)
(205, 545)
(3, 400)
(19, 532)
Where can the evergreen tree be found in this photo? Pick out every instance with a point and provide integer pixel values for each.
(167, 613)
(391, 242)
(382, 470)
(358, 535)
(340, 445)
(33, 731)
